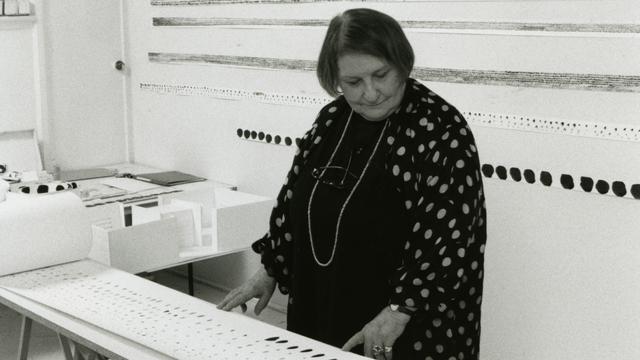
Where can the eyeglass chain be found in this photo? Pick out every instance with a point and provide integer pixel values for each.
(335, 241)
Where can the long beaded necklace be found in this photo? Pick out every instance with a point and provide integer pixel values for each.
(344, 206)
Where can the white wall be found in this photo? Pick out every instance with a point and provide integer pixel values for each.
(561, 274)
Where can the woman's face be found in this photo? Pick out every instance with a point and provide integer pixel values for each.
(372, 87)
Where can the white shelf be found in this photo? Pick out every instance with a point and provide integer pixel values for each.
(16, 21)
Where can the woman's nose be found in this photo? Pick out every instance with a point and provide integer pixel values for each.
(370, 92)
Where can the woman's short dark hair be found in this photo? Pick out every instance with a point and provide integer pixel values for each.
(362, 31)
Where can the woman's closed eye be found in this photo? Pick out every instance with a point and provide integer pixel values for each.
(353, 82)
(381, 75)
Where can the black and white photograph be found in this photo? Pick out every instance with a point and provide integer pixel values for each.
(319, 179)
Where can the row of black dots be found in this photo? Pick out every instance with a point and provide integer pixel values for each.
(294, 347)
(268, 138)
(618, 188)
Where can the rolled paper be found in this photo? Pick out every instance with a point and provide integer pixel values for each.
(40, 231)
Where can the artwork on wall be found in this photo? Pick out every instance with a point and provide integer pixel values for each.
(601, 82)
(606, 131)
(412, 24)
(574, 81)
(218, 2)
(565, 181)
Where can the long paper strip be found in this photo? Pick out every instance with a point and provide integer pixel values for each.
(160, 318)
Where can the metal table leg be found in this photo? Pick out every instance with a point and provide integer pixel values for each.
(66, 347)
(190, 278)
(25, 338)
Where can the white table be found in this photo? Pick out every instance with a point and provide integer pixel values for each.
(68, 328)
(103, 312)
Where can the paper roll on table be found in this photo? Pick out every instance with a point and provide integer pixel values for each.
(39, 231)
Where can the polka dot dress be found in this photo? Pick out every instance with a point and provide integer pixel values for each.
(432, 161)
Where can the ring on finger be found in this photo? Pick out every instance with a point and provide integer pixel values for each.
(377, 350)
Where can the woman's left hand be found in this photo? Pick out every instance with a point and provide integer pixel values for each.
(380, 333)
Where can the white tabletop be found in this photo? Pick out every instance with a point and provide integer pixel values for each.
(126, 317)
(113, 346)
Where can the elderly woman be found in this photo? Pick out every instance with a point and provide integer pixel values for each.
(378, 233)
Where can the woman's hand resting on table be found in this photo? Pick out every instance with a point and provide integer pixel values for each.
(260, 286)
(382, 332)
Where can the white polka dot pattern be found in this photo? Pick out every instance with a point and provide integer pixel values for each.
(432, 159)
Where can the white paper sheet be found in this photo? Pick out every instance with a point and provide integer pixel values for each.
(160, 318)
(37, 231)
(130, 185)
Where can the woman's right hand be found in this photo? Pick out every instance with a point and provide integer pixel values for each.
(260, 286)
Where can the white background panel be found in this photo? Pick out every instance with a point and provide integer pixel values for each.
(17, 99)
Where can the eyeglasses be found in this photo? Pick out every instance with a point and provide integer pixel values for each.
(336, 176)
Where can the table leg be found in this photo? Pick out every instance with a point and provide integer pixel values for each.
(190, 278)
(66, 348)
(25, 338)
(78, 351)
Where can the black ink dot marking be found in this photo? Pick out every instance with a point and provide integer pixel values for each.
(529, 176)
(298, 142)
(247, 133)
(545, 178)
(59, 188)
(602, 186)
(269, 138)
(25, 189)
(487, 170)
(292, 347)
(618, 188)
(287, 141)
(277, 139)
(566, 181)
(501, 171)
(635, 191)
(586, 183)
(306, 350)
(239, 132)
(261, 135)
(272, 338)
(254, 134)
(42, 189)
(515, 174)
